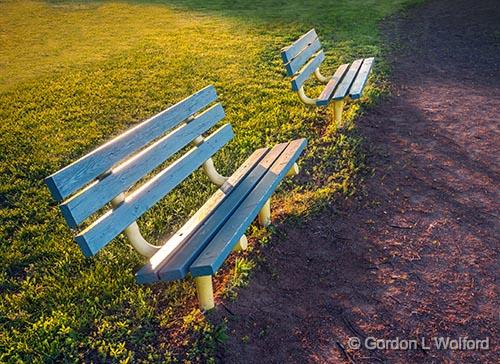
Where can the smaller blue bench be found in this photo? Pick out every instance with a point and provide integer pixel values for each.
(304, 57)
(114, 173)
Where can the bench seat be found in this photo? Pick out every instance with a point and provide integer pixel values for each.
(348, 80)
(203, 244)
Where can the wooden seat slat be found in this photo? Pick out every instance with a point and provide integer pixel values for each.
(295, 64)
(98, 234)
(343, 89)
(307, 70)
(212, 257)
(359, 83)
(290, 52)
(178, 265)
(326, 94)
(79, 173)
(148, 273)
(92, 198)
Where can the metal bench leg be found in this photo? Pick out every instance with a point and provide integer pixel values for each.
(293, 171)
(265, 214)
(209, 168)
(320, 77)
(205, 292)
(305, 99)
(338, 107)
(242, 244)
(134, 235)
(212, 173)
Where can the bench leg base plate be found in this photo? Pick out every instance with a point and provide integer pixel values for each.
(205, 292)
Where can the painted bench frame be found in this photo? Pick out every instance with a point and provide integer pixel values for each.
(304, 57)
(108, 174)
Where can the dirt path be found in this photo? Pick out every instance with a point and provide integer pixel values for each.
(416, 254)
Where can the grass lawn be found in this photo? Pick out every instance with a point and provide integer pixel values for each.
(72, 75)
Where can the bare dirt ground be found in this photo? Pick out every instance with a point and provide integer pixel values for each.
(415, 254)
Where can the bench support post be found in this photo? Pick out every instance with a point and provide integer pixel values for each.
(338, 107)
(293, 171)
(320, 77)
(212, 173)
(305, 99)
(209, 168)
(265, 214)
(134, 235)
(205, 292)
(242, 244)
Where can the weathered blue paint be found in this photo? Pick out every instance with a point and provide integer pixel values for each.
(178, 265)
(308, 69)
(98, 234)
(76, 175)
(343, 89)
(295, 64)
(149, 273)
(326, 94)
(91, 199)
(359, 83)
(290, 52)
(212, 257)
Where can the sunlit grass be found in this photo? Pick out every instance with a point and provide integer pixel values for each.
(74, 74)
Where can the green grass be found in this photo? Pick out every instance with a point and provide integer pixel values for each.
(72, 75)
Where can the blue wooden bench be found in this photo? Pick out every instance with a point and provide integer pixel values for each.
(304, 57)
(110, 174)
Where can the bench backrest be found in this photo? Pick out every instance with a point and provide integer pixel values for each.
(98, 177)
(302, 58)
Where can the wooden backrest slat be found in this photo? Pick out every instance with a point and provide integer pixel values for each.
(78, 174)
(360, 81)
(346, 82)
(295, 64)
(307, 70)
(108, 226)
(123, 176)
(290, 52)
